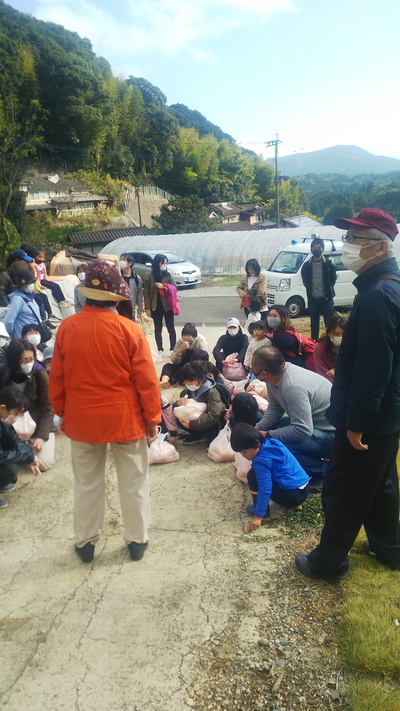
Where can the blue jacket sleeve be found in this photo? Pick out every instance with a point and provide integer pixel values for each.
(264, 481)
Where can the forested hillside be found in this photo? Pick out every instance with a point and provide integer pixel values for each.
(82, 116)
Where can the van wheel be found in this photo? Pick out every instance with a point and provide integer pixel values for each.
(295, 306)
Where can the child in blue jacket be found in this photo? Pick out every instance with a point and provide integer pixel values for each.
(275, 475)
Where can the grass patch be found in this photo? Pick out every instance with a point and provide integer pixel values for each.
(369, 638)
(310, 518)
(228, 280)
(372, 695)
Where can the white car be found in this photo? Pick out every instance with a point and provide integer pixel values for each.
(184, 273)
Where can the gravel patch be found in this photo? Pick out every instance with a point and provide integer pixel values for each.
(282, 657)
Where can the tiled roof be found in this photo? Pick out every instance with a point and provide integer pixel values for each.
(106, 236)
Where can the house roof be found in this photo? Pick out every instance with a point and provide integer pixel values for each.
(239, 226)
(106, 236)
(301, 221)
(226, 208)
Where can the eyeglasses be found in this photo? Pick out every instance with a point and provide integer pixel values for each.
(352, 238)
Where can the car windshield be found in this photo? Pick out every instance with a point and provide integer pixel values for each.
(173, 258)
(288, 262)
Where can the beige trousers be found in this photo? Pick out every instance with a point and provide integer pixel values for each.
(132, 465)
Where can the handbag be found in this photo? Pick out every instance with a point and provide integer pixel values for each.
(162, 452)
(246, 302)
(24, 426)
(45, 332)
(220, 449)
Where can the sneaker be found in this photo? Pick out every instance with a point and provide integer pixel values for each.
(303, 566)
(3, 503)
(191, 439)
(250, 511)
(137, 550)
(161, 354)
(8, 487)
(86, 553)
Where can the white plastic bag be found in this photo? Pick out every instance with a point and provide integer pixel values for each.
(24, 426)
(220, 449)
(256, 386)
(233, 369)
(156, 357)
(242, 467)
(162, 452)
(47, 453)
(191, 411)
(261, 402)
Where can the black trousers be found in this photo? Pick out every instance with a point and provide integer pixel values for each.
(8, 473)
(360, 488)
(157, 317)
(55, 289)
(317, 308)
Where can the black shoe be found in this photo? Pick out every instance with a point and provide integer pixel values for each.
(302, 565)
(3, 503)
(50, 325)
(315, 485)
(192, 439)
(137, 550)
(86, 553)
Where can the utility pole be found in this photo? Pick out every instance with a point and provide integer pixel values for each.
(275, 144)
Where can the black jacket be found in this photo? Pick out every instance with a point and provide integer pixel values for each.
(37, 396)
(12, 449)
(328, 273)
(366, 387)
(226, 345)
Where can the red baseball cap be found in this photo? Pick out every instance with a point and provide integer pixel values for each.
(370, 217)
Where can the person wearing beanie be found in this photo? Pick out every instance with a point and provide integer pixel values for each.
(23, 307)
(361, 484)
(104, 388)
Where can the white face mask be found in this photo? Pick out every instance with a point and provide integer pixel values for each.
(3, 341)
(81, 276)
(274, 321)
(163, 267)
(123, 264)
(30, 288)
(192, 388)
(34, 338)
(336, 340)
(351, 257)
(10, 419)
(233, 331)
(26, 367)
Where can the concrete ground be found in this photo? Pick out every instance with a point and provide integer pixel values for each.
(116, 635)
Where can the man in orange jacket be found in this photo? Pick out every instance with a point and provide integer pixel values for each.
(104, 387)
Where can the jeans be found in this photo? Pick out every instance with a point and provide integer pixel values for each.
(311, 451)
(317, 308)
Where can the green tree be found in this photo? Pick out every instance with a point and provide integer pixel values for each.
(184, 214)
(20, 132)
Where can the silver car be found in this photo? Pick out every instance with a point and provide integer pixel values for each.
(184, 273)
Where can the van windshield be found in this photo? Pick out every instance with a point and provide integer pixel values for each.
(288, 262)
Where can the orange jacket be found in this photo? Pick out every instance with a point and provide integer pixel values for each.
(103, 379)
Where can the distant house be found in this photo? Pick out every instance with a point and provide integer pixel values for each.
(298, 221)
(59, 195)
(95, 241)
(250, 213)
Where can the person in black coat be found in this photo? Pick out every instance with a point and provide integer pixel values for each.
(319, 277)
(233, 341)
(13, 451)
(361, 485)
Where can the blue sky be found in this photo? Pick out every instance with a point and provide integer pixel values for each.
(317, 72)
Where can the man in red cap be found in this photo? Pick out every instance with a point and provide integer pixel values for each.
(104, 387)
(361, 484)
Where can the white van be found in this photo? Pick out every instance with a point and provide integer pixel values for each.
(284, 284)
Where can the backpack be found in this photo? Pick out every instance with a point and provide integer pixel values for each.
(306, 347)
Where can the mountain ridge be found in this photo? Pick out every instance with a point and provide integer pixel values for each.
(341, 159)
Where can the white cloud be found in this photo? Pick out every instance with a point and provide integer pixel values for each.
(127, 31)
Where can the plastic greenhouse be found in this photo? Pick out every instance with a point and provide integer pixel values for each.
(223, 252)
